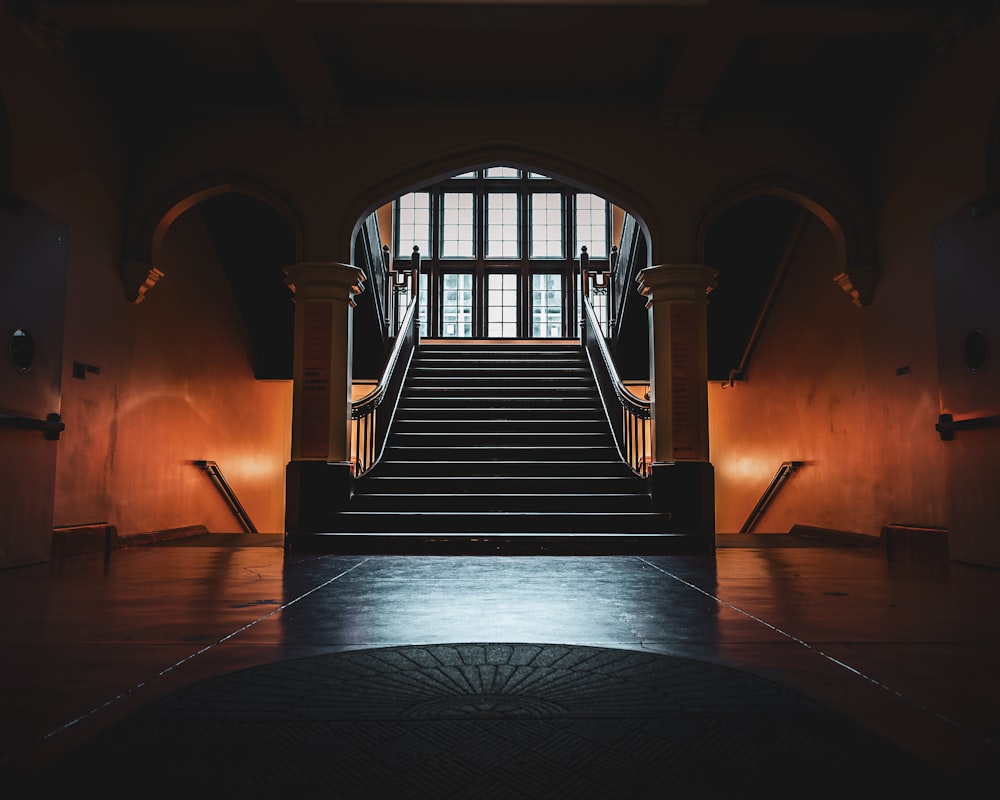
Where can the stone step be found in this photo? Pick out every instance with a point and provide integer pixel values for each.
(476, 466)
(495, 502)
(573, 425)
(429, 522)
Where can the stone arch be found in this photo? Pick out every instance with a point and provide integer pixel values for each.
(145, 235)
(485, 154)
(854, 240)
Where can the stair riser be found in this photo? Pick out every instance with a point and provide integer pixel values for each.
(524, 427)
(484, 452)
(444, 442)
(489, 440)
(466, 522)
(598, 470)
(486, 398)
(417, 484)
(508, 504)
(529, 366)
(410, 414)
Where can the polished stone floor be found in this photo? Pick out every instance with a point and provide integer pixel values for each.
(910, 649)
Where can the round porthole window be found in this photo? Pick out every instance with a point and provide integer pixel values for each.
(21, 347)
(976, 350)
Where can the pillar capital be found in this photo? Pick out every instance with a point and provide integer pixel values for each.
(676, 282)
(324, 280)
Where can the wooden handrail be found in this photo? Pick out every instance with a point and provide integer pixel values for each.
(369, 437)
(628, 414)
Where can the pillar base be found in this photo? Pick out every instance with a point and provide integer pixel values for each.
(314, 492)
(685, 490)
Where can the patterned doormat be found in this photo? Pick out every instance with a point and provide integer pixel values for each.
(489, 720)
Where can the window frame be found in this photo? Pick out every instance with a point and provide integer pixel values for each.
(435, 264)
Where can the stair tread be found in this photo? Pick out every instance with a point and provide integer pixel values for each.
(487, 441)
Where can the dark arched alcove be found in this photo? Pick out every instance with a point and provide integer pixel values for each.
(254, 244)
(746, 244)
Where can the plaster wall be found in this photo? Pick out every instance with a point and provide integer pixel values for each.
(937, 170)
(64, 160)
(804, 399)
(173, 381)
(193, 396)
(337, 176)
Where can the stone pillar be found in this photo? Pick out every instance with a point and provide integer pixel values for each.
(682, 478)
(318, 478)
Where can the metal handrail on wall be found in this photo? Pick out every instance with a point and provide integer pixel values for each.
(629, 415)
(52, 426)
(227, 492)
(786, 469)
(373, 413)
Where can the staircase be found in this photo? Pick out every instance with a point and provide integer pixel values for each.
(501, 448)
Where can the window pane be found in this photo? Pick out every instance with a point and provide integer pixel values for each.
(599, 300)
(413, 212)
(422, 308)
(592, 225)
(546, 306)
(456, 304)
(501, 305)
(546, 225)
(458, 230)
(502, 172)
(503, 231)
(472, 174)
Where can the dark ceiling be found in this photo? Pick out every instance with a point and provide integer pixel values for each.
(836, 64)
(321, 59)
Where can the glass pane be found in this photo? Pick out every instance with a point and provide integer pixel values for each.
(422, 308)
(458, 230)
(501, 305)
(600, 304)
(456, 305)
(502, 172)
(546, 306)
(592, 225)
(413, 214)
(503, 231)
(472, 174)
(546, 225)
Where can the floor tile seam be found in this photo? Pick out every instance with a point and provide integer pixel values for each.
(126, 693)
(811, 647)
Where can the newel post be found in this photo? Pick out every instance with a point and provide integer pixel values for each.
(318, 477)
(683, 481)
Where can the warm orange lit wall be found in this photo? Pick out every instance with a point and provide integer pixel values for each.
(804, 399)
(193, 396)
(855, 392)
(174, 381)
